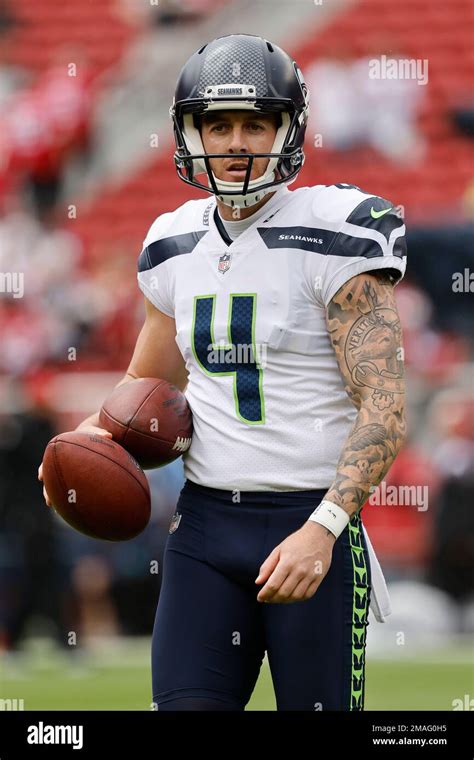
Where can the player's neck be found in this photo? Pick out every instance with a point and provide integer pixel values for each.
(228, 214)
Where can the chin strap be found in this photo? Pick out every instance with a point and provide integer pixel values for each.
(250, 198)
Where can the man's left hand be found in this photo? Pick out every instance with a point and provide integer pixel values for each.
(296, 567)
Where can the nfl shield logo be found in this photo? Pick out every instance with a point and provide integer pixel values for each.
(224, 263)
(175, 522)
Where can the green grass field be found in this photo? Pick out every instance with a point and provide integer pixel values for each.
(119, 679)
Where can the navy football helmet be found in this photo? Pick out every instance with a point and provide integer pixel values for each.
(240, 71)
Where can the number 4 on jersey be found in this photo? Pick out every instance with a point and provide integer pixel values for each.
(238, 357)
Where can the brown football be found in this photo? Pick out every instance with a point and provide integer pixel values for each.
(96, 486)
(150, 418)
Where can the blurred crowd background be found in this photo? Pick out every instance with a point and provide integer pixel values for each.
(86, 166)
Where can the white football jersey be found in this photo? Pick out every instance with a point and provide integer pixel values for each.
(269, 407)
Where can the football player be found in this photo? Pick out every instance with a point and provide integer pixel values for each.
(275, 311)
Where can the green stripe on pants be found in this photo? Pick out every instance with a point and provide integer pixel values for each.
(360, 612)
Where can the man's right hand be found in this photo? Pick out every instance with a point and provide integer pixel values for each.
(86, 429)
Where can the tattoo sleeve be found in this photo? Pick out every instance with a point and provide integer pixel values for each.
(364, 328)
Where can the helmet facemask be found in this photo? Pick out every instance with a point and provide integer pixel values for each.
(285, 159)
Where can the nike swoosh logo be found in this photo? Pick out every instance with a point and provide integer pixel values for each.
(377, 214)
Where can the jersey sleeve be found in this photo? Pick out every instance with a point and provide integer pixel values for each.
(153, 274)
(371, 237)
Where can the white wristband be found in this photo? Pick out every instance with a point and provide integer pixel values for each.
(333, 518)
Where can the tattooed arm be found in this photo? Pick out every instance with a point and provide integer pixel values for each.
(364, 327)
(365, 331)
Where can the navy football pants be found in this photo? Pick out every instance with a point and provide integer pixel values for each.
(211, 634)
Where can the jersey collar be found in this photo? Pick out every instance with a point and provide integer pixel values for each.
(220, 227)
(262, 214)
